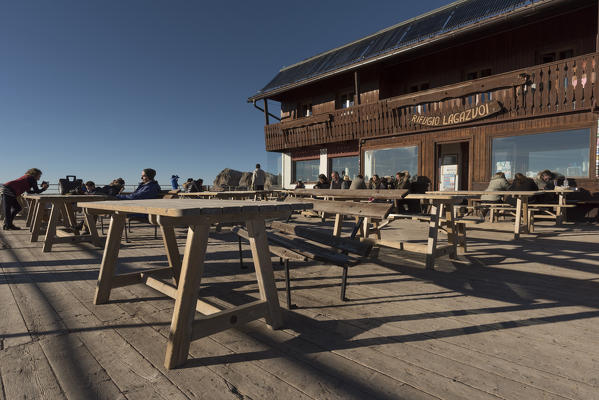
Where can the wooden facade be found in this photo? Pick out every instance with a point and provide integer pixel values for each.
(543, 79)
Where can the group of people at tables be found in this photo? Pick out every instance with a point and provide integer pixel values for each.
(148, 188)
(544, 180)
(402, 181)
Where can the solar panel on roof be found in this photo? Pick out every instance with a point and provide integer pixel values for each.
(444, 20)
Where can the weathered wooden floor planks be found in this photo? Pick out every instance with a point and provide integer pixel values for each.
(510, 320)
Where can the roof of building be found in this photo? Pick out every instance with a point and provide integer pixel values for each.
(446, 19)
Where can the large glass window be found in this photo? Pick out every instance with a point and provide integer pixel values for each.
(274, 165)
(387, 162)
(565, 152)
(346, 166)
(307, 171)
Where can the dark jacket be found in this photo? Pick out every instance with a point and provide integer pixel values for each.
(148, 190)
(336, 185)
(346, 184)
(322, 185)
(528, 185)
(195, 187)
(110, 190)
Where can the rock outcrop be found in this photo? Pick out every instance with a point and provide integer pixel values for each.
(242, 180)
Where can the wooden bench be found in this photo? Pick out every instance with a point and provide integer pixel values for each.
(291, 242)
(460, 225)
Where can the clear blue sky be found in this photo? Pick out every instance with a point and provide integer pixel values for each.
(104, 88)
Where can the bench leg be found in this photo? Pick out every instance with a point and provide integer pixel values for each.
(288, 286)
(241, 255)
(344, 284)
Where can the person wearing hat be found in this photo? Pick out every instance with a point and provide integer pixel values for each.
(174, 182)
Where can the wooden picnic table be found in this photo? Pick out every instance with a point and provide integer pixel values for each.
(230, 195)
(197, 215)
(440, 205)
(61, 205)
(521, 223)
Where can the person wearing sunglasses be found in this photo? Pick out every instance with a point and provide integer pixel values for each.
(147, 189)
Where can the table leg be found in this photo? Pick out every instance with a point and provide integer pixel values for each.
(30, 212)
(111, 253)
(51, 229)
(559, 212)
(90, 221)
(262, 264)
(172, 250)
(187, 296)
(338, 224)
(525, 214)
(518, 219)
(69, 217)
(433, 230)
(452, 236)
(37, 220)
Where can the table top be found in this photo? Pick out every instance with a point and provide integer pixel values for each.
(195, 207)
(225, 193)
(494, 192)
(437, 196)
(71, 197)
(382, 194)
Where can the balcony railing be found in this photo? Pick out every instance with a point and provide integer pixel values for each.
(554, 88)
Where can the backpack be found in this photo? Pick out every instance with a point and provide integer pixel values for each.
(66, 185)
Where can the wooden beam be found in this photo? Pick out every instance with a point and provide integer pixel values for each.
(356, 88)
(266, 120)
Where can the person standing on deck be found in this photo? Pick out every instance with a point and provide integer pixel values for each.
(258, 178)
(175, 182)
(13, 189)
(147, 189)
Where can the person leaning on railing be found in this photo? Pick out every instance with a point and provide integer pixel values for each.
(13, 189)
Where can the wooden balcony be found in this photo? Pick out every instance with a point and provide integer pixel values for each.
(559, 87)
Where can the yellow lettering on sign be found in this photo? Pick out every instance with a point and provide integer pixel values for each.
(414, 118)
(462, 116)
(468, 112)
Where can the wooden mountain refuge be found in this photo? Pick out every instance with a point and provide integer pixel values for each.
(456, 95)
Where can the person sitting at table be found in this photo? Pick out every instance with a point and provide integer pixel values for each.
(497, 183)
(402, 180)
(196, 186)
(522, 183)
(358, 183)
(12, 190)
(376, 183)
(335, 181)
(300, 185)
(323, 182)
(346, 184)
(115, 187)
(147, 189)
(90, 187)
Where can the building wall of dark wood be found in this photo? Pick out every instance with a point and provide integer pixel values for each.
(511, 49)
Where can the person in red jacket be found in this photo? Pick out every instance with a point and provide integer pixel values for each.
(13, 189)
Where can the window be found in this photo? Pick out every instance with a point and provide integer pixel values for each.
(478, 74)
(307, 170)
(305, 110)
(345, 100)
(564, 152)
(419, 87)
(346, 166)
(551, 56)
(387, 162)
(274, 165)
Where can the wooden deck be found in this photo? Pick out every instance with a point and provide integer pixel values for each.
(511, 320)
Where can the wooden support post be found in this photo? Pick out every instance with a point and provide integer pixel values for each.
(90, 222)
(266, 119)
(187, 296)
(111, 253)
(356, 88)
(262, 263)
